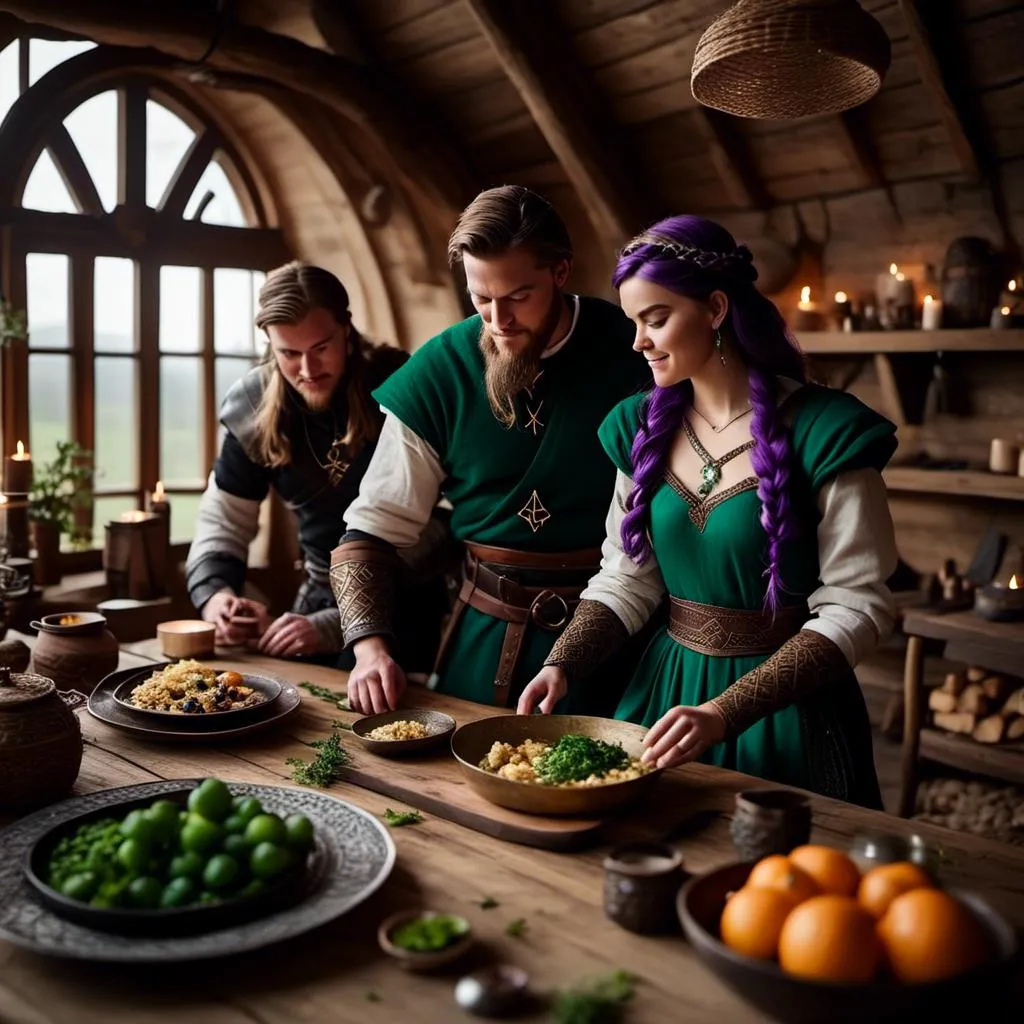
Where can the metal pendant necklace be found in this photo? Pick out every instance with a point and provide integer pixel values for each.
(711, 471)
(337, 464)
(727, 423)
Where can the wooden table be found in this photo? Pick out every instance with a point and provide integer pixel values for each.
(338, 974)
(966, 637)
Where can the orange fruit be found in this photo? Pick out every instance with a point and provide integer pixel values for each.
(776, 872)
(752, 920)
(928, 935)
(881, 885)
(834, 872)
(830, 938)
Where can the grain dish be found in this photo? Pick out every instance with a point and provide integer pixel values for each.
(574, 761)
(400, 730)
(191, 688)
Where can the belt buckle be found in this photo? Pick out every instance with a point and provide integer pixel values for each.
(543, 598)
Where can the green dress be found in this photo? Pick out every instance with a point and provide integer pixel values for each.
(713, 552)
(542, 485)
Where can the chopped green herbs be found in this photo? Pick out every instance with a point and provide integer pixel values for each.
(339, 700)
(598, 1002)
(430, 932)
(516, 928)
(397, 818)
(327, 767)
(488, 903)
(337, 723)
(575, 757)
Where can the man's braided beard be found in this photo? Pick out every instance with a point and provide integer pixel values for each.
(508, 373)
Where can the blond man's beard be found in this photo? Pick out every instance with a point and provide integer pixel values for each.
(316, 401)
(508, 373)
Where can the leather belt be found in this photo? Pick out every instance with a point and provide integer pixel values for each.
(485, 588)
(732, 632)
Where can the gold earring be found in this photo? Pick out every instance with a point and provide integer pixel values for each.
(718, 344)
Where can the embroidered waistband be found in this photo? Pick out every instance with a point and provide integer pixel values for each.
(732, 632)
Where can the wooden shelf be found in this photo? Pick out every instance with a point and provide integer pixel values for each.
(978, 339)
(1001, 761)
(965, 483)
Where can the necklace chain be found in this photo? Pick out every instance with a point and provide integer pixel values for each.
(718, 430)
(336, 464)
(711, 471)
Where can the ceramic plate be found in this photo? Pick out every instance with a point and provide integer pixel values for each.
(358, 852)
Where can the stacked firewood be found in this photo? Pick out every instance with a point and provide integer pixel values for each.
(984, 808)
(983, 705)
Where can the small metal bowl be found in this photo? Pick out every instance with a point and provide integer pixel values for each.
(429, 960)
(492, 991)
(440, 726)
(870, 849)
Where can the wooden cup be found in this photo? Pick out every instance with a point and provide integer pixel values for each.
(1004, 456)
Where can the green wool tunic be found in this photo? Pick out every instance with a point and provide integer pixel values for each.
(542, 485)
(717, 555)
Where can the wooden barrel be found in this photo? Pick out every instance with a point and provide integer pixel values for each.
(971, 280)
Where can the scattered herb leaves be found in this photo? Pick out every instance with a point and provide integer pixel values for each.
(488, 903)
(372, 997)
(337, 723)
(320, 691)
(575, 757)
(516, 928)
(600, 1001)
(327, 767)
(397, 818)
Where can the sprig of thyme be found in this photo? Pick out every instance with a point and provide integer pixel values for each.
(398, 818)
(327, 767)
(600, 1001)
(516, 928)
(339, 700)
(488, 903)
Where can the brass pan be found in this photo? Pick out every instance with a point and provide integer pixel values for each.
(471, 743)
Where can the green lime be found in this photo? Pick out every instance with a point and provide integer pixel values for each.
(186, 865)
(211, 798)
(254, 888)
(139, 827)
(132, 855)
(266, 828)
(208, 897)
(235, 824)
(237, 846)
(300, 831)
(220, 871)
(145, 892)
(200, 835)
(268, 860)
(247, 807)
(164, 816)
(80, 886)
(178, 892)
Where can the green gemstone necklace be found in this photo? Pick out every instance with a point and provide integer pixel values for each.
(711, 471)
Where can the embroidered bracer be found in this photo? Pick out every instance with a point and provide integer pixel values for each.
(363, 580)
(800, 666)
(593, 635)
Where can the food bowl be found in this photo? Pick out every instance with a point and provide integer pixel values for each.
(166, 921)
(426, 960)
(440, 725)
(186, 638)
(783, 997)
(269, 687)
(70, 623)
(471, 743)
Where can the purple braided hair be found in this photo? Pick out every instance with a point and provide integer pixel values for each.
(693, 256)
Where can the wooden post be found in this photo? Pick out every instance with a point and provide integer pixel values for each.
(913, 716)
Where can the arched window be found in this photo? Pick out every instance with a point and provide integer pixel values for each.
(136, 238)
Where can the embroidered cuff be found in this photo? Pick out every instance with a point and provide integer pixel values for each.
(593, 635)
(363, 581)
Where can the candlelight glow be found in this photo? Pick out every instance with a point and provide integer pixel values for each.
(3, 499)
(136, 516)
(842, 297)
(893, 269)
(928, 299)
(1014, 585)
(21, 455)
(1005, 311)
(901, 276)
(1012, 286)
(158, 493)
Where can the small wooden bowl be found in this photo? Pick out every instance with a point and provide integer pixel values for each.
(441, 727)
(411, 959)
(186, 638)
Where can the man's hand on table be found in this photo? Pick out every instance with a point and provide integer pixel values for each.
(290, 636)
(237, 619)
(377, 682)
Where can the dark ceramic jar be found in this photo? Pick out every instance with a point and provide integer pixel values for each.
(40, 740)
(74, 649)
(640, 885)
(768, 821)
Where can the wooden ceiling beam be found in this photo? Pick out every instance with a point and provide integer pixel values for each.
(731, 158)
(856, 143)
(562, 101)
(360, 94)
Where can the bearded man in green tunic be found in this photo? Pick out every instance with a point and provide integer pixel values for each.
(499, 415)
(755, 499)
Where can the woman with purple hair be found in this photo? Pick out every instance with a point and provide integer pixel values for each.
(755, 498)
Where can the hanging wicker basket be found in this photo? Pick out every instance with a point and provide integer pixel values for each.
(777, 59)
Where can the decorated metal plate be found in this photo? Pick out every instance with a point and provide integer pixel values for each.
(357, 857)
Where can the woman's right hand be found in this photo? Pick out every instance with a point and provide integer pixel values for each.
(376, 682)
(545, 690)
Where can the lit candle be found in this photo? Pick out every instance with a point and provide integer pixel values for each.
(18, 472)
(1014, 585)
(158, 493)
(1001, 317)
(157, 503)
(136, 516)
(805, 298)
(931, 314)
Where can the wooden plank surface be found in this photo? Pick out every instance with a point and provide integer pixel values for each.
(1006, 637)
(337, 975)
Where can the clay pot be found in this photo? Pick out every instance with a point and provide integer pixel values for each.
(46, 541)
(15, 654)
(40, 740)
(74, 649)
(768, 821)
(640, 885)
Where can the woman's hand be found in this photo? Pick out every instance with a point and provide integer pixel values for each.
(376, 682)
(683, 734)
(545, 690)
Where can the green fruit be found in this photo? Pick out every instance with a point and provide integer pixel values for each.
(80, 886)
(145, 892)
(212, 799)
(247, 807)
(237, 847)
(268, 860)
(200, 835)
(235, 824)
(300, 831)
(132, 855)
(178, 892)
(186, 865)
(254, 888)
(164, 816)
(266, 828)
(139, 827)
(220, 871)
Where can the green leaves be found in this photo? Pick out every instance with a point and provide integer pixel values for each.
(398, 818)
(575, 757)
(327, 767)
(597, 1002)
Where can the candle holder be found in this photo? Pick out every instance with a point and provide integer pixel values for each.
(157, 503)
(135, 556)
(18, 472)
(14, 523)
(1000, 602)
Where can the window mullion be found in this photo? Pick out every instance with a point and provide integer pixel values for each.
(148, 333)
(83, 370)
(209, 372)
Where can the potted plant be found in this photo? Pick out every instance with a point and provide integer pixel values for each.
(59, 490)
(13, 324)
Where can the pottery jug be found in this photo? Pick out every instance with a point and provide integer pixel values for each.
(40, 740)
(74, 649)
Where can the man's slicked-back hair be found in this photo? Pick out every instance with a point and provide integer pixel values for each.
(510, 217)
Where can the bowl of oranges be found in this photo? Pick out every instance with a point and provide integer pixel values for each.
(808, 936)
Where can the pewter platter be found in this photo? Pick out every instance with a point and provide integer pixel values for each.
(359, 856)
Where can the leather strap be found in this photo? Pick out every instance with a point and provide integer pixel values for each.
(584, 558)
(732, 632)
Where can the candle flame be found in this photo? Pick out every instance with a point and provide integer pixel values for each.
(901, 276)
(3, 499)
(928, 299)
(893, 269)
(805, 294)
(136, 516)
(841, 297)
(158, 493)
(21, 455)
(1005, 311)
(1014, 585)
(1012, 286)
